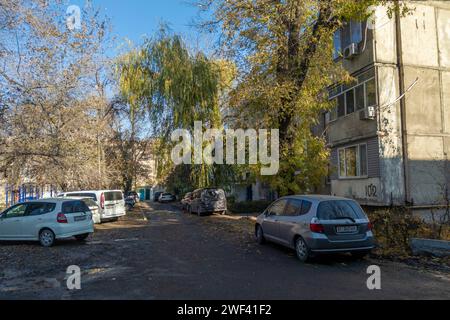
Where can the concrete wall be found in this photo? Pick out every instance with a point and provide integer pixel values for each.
(426, 55)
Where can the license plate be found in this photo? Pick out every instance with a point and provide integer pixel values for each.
(347, 229)
(80, 218)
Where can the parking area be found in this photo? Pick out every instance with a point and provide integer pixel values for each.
(158, 252)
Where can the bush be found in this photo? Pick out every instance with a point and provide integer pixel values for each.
(248, 207)
(395, 227)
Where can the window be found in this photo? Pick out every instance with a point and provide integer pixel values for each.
(83, 195)
(353, 97)
(80, 206)
(306, 207)
(68, 207)
(16, 211)
(353, 161)
(363, 159)
(351, 33)
(337, 44)
(359, 97)
(371, 93)
(37, 209)
(350, 100)
(293, 208)
(341, 106)
(114, 196)
(338, 209)
(278, 208)
(356, 31)
(74, 207)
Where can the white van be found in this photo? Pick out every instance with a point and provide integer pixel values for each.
(111, 203)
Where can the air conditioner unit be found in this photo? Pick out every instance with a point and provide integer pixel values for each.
(351, 51)
(368, 114)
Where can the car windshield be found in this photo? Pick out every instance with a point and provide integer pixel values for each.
(339, 209)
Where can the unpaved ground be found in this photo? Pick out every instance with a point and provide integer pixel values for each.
(159, 253)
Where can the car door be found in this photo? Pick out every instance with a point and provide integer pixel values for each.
(11, 222)
(288, 222)
(271, 221)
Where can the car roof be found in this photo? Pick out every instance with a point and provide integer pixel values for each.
(57, 200)
(78, 198)
(317, 198)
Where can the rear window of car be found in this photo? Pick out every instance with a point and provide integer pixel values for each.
(113, 196)
(87, 195)
(338, 209)
(74, 207)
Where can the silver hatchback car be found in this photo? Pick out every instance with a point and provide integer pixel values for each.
(316, 224)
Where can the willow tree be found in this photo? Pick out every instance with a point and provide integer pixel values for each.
(284, 51)
(177, 88)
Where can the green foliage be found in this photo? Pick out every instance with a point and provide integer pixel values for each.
(177, 88)
(284, 51)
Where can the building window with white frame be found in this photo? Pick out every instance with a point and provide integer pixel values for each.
(353, 161)
(356, 96)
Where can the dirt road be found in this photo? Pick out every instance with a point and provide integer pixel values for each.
(160, 253)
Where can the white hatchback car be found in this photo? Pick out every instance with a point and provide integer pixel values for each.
(46, 221)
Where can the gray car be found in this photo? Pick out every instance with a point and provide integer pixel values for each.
(316, 224)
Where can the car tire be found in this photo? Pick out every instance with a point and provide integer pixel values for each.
(259, 234)
(360, 255)
(82, 237)
(302, 250)
(47, 238)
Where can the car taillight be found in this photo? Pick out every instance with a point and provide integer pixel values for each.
(370, 226)
(317, 228)
(102, 201)
(61, 218)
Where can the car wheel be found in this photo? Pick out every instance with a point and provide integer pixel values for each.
(302, 250)
(82, 237)
(359, 255)
(260, 235)
(47, 238)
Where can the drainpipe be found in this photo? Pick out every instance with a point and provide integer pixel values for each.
(401, 79)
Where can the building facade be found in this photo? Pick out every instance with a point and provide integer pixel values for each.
(389, 132)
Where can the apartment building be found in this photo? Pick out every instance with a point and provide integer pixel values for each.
(389, 132)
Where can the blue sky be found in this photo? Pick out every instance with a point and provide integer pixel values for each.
(132, 19)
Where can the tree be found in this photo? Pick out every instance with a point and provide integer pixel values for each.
(52, 94)
(177, 88)
(284, 53)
